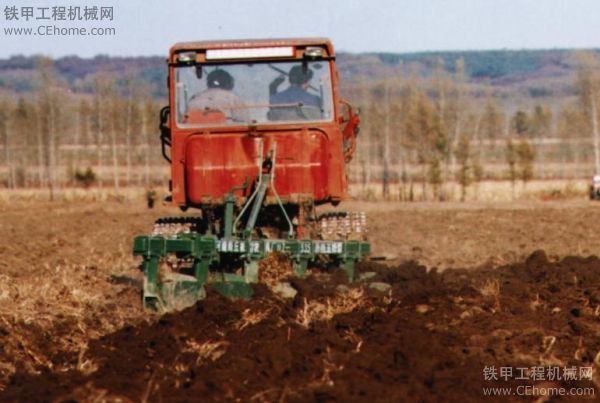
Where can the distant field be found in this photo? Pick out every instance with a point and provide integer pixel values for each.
(486, 191)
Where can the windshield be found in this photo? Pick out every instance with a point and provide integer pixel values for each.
(236, 94)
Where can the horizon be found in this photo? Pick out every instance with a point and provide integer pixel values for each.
(338, 51)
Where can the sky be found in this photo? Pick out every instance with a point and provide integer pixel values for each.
(150, 27)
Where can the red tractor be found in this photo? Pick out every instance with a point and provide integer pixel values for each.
(257, 138)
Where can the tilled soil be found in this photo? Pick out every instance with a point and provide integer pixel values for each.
(429, 338)
(72, 327)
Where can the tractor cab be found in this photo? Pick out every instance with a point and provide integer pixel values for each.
(235, 102)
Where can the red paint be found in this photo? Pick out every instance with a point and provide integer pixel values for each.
(310, 158)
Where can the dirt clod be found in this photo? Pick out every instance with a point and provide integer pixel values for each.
(71, 327)
(381, 349)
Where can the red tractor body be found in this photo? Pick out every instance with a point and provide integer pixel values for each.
(212, 156)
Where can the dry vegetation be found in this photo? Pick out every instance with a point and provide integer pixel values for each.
(70, 309)
(60, 288)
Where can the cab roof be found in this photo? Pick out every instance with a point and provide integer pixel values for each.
(252, 43)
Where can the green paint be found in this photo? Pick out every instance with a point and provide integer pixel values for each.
(206, 251)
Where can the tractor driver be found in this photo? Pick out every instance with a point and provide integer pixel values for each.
(218, 102)
(296, 102)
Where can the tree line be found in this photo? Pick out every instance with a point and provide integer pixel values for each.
(443, 129)
(418, 132)
(57, 138)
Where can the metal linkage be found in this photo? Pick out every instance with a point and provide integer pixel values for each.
(256, 190)
(290, 226)
(265, 181)
(258, 201)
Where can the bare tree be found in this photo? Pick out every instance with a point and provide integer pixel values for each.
(117, 117)
(459, 110)
(132, 121)
(571, 123)
(464, 174)
(434, 175)
(83, 134)
(149, 129)
(478, 172)
(25, 127)
(5, 140)
(50, 106)
(588, 83)
(491, 121)
(443, 120)
(526, 157)
(386, 141)
(420, 131)
(363, 141)
(100, 117)
(510, 155)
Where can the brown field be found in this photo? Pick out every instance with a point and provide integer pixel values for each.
(470, 288)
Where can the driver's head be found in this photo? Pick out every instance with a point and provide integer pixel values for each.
(220, 79)
(300, 75)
